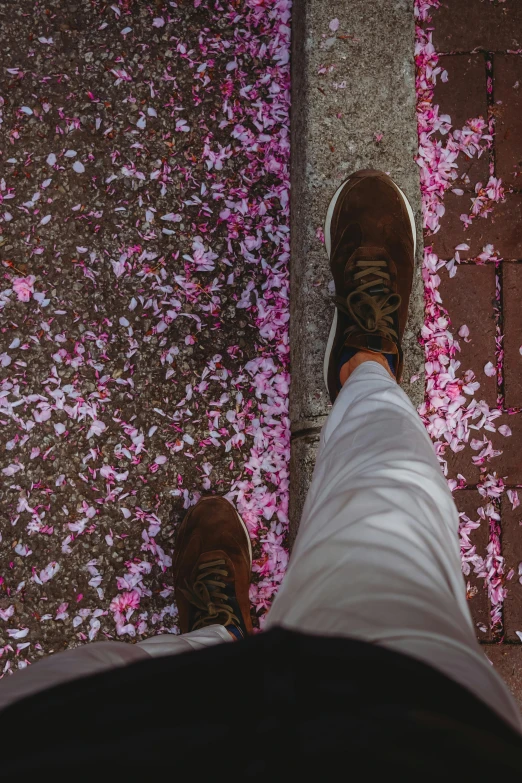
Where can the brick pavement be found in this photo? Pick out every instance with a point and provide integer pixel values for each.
(477, 40)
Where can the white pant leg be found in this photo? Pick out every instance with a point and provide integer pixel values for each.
(170, 644)
(377, 553)
(100, 656)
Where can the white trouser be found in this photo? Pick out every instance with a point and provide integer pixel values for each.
(377, 553)
(376, 557)
(100, 656)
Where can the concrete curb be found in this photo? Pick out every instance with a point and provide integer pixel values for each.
(336, 115)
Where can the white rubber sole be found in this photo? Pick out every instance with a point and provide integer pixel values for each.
(328, 243)
(247, 534)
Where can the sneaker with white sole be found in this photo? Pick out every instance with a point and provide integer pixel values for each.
(212, 568)
(370, 239)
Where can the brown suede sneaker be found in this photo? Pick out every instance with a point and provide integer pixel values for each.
(212, 566)
(370, 239)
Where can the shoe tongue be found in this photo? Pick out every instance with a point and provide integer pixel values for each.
(371, 342)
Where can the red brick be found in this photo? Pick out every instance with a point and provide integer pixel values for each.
(502, 228)
(512, 552)
(508, 465)
(504, 465)
(460, 464)
(469, 299)
(507, 660)
(467, 502)
(463, 97)
(463, 25)
(512, 309)
(508, 136)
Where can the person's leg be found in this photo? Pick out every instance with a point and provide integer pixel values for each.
(212, 569)
(99, 656)
(64, 666)
(212, 577)
(377, 554)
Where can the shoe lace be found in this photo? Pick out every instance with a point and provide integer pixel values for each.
(371, 303)
(207, 596)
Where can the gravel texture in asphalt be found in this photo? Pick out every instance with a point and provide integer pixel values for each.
(143, 304)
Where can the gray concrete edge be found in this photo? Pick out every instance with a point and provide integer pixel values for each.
(333, 133)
